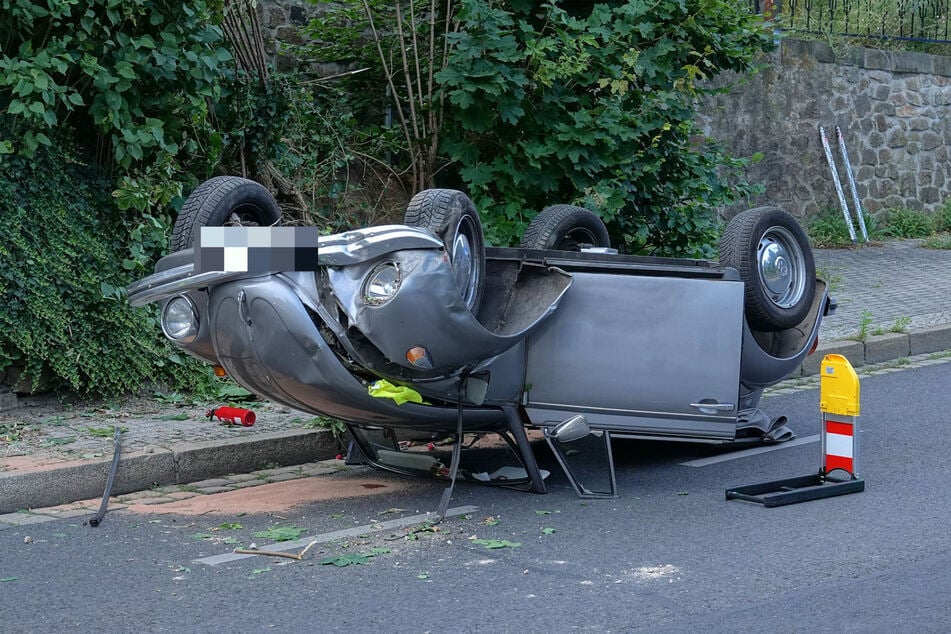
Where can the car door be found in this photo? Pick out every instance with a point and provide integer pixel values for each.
(650, 351)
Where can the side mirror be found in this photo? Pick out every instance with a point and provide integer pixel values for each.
(575, 428)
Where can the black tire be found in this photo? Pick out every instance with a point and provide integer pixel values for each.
(772, 253)
(453, 218)
(565, 228)
(223, 201)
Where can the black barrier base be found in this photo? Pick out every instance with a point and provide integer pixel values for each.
(794, 490)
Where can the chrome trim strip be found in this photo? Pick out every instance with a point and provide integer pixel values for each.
(174, 281)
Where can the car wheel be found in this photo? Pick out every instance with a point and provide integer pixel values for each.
(452, 216)
(772, 253)
(220, 202)
(565, 228)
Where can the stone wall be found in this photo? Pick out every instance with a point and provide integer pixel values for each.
(894, 110)
(281, 21)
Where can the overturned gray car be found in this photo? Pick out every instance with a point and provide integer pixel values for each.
(449, 358)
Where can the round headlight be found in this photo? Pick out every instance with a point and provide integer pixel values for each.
(180, 320)
(382, 284)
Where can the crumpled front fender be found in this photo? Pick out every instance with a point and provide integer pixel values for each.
(429, 312)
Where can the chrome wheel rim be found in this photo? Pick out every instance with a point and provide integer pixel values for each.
(781, 267)
(465, 263)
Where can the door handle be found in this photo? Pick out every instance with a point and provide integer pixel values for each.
(713, 407)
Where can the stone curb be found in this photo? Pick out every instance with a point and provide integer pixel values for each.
(181, 464)
(880, 348)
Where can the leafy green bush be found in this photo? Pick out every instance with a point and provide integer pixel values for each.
(63, 269)
(942, 221)
(908, 223)
(596, 109)
(827, 229)
(138, 73)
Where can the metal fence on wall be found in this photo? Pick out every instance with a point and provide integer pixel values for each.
(910, 20)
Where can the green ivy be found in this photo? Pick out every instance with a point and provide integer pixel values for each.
(140, 73)
(595, 107)
(64, 267)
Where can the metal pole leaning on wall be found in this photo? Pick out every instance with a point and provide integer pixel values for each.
(839, 402)
(851, 177)
(838, 183)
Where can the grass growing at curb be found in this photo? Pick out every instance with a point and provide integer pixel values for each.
(865, 325)
(900, 325)
(938, 241)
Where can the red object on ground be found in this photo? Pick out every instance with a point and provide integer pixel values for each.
(232, 415)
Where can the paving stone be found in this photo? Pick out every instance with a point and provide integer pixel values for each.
(214, 482)
(138, 495)
(242, 477)
(213, 490)
(65, 513)
(24, 519)
(318, 471)
(284, 477)
(182, 495)
(170, 488)
(249, 483)
(153, 500)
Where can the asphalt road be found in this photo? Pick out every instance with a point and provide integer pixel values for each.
(669, 554)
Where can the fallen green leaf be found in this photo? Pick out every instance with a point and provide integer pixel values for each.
(394, 510)
(548, 531)
(491, 521)
(422, 576)
(228, 526)
(345, 560)
(281, 533)
(682, 493)
(175, 417)
(336, 516)
(59, 441)
(496, 543)
(259, 571)
(546, 512)
(7, 579)
(353, 558)
(105, 432)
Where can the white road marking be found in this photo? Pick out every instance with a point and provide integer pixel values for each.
(356, 531)
(736, 455)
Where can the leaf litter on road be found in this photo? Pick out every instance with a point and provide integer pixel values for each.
(281, 533)
(353, 558)
(493, 544)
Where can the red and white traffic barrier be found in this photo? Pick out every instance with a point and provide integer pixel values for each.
(839, 447)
